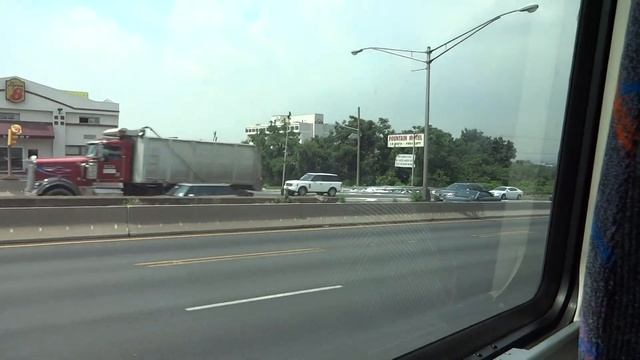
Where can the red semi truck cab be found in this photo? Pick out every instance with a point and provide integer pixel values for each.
(106, 167)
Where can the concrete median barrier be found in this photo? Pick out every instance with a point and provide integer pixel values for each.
(75, 201)
(34, 223)
(25, 224)
(154, 220)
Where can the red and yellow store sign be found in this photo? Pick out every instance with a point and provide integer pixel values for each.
(15, 90)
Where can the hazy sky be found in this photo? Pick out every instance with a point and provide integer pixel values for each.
(188, 68)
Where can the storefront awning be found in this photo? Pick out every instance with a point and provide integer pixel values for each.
(30, 129)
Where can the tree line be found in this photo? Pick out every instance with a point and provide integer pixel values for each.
(472, 156)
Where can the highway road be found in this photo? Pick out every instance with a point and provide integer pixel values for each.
(370, 292)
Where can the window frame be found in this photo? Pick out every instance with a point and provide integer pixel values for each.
(109, 152)
(555, 301)
(16, 161)
(81, 150)
(9, 116)
(475, 187)
(91, 120)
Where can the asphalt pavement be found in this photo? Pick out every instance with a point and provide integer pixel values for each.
(372, 292)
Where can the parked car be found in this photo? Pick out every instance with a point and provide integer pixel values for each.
(192, 190)
(507, 193)
(470, 195)
(441, 194)
(319, 183)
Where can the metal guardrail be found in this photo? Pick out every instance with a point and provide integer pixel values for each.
(54, 224)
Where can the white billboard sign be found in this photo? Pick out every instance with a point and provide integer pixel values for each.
(405, 140)
(404, 160)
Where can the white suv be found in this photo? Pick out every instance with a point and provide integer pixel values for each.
(319, 183)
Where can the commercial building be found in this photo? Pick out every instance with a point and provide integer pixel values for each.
(54, 122)
(308, 126)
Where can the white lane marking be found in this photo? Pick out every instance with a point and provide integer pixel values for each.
(266, 297)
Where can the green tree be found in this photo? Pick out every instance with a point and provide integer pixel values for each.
(270, 144)
(473, 156)
(481, 158)
(533, 179)
(375, 158)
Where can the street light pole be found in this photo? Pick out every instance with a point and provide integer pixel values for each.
(425, 162)
(430, 57)
(357, 130)
(358, 154)
(284, 161)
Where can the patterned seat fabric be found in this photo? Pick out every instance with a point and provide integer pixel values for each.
(610, 326)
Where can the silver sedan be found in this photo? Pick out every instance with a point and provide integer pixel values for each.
(507, 193)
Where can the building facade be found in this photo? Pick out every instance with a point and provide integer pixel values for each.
(308, 126)
(54, 122)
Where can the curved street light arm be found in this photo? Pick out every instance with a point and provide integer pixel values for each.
(389, 49)
(400, 55)
(348, 127)
(529, 9)
(465, 35)
(477, 29)
(466, 32)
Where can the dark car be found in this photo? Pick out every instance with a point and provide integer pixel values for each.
(441, 194)
(471, 195)
(191, 190)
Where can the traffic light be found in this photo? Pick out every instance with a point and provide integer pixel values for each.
(12, 134)
(11, 138)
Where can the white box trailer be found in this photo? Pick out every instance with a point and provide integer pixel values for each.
(162, 160)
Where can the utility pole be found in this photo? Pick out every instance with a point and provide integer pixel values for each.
(358, 154)
(425, 162)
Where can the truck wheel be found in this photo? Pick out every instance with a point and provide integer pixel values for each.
(302, 191)
(58, 192)
(332, 192)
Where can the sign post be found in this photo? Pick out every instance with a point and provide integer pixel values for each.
(12, 136)
(9, 143)
(413, 154)
(406, 140)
